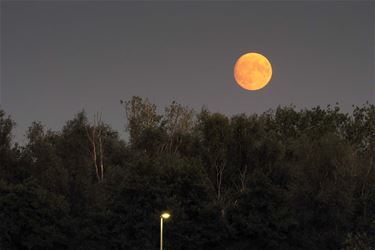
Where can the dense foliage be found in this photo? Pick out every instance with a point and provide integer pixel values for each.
(284, 179)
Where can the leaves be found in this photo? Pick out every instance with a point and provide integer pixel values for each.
(284, 179)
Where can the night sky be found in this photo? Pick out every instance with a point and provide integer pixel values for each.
(58, 58)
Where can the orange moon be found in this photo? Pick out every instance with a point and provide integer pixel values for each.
(252, 71)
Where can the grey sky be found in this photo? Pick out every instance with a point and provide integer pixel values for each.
(58, 58)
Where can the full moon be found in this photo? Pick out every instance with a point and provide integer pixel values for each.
(252, 71)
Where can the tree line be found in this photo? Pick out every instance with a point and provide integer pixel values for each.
(283, 179)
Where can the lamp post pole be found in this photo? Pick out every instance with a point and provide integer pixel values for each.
(161, 233)
(162, 217)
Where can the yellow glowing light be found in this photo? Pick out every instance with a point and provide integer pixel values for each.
(165, 215)
(252, 71)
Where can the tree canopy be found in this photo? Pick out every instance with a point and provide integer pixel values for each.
(283, 179)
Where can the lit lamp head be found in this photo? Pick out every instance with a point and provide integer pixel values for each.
(165, 215)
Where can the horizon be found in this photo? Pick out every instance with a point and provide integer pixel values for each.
(124, 133)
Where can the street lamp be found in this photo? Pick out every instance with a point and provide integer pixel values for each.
(163, 216)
